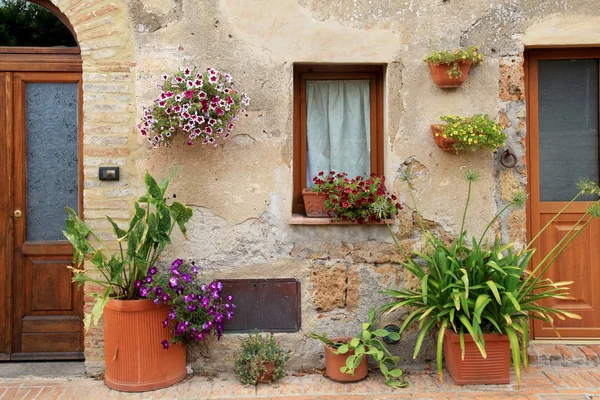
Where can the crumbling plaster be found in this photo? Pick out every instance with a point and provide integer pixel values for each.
(241, 191)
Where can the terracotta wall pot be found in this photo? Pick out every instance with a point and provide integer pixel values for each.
(444, 144)
(267, 376)
(314, 203)
(333, 363)
(439, 73)
(135, 358)
(475, 369)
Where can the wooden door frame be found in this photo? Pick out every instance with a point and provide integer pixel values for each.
(531, 56)
(15, 60)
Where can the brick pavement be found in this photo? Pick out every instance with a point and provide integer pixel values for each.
(541, 383)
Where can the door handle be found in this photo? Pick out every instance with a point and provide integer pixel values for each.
(18, 214)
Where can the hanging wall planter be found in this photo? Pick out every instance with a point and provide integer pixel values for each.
(445, 144)
(468, 133)
(449, 69)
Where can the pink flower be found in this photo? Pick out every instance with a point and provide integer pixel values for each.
(213, 79)
(208, 130)
(212, 121)
(165, 77)
(162, 103)
(201, 95)
(198, 82)
(187, 72)
(189, 94)
(178, 79)
(219, 111)
(177, 109)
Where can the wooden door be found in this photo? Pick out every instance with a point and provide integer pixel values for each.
(40, 118)
(563, 146)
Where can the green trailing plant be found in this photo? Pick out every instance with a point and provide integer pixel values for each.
(475, 287)
(119, 273)
(255, 353)
(455, 57)
(472, 133)
(368, 341)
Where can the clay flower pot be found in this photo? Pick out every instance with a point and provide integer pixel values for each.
(314, 203)
(333, 363)
(444, 144)
(267, 376)
(439, 73)
(475, 369)
(135, 358)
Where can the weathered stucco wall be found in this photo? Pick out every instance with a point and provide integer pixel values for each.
(241, 191)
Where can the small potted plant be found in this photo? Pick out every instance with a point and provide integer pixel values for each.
(346, 357)
(480, 296)
(472, 133)
(450, 68)
(195, 310)
(133, 361)
(358, 200)
(200, 106)
(260, 359)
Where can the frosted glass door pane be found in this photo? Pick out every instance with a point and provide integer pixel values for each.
(51, 121)
(568, 126)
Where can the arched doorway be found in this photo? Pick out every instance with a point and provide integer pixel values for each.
(40, 172)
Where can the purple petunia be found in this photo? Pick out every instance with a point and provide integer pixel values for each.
(144, 291)
(173, 281)
(165, 344)
(137, 284)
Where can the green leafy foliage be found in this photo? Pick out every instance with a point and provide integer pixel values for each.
(256, 351)
(149, 231)
(476, 287)
(23, 23)
(454, 58)
(368, 341)
(472, 133)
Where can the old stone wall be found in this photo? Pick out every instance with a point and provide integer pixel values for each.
(241, 191)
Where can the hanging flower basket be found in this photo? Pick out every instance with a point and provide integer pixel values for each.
(450, 68)
(443, 78)
(200, 106)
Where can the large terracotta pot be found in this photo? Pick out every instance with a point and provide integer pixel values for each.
(314, 203)
(135, 359)
(333, 363)
(444, 144)
(439, 73)
(475, 369)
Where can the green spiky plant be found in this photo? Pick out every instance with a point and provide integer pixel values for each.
(477, 287)
(256, 351)
(148, 233)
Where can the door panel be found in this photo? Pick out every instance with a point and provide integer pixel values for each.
(563, 146)
(46, 175)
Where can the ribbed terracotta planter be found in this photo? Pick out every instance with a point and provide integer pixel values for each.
(333, 363)
(474, 369)
(444, 144)
(314, 203)
(267, 376)
(135, 358)
(439, 73)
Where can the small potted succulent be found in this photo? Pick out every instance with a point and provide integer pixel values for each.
(201, 106)
(346, 357)
(479, 296)
(450, 68)
(133, 361)
(472, 133)
(260, 359)
(195, 310)
(358, 200)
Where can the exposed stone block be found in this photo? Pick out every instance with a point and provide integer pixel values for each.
(329, 287)
(512, 79)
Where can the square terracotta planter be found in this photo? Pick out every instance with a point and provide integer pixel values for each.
(474, 369)
(314, 204)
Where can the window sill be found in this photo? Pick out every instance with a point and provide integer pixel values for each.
(299, 219)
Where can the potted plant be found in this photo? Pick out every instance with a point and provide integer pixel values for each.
(359, 200)
(450, 69)
(346, 357)
(260, 359)
(472, 133)
(195, 310)
(479, 296)
(135, 360)
(201, 106)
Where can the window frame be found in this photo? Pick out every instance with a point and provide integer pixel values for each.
(304, 72)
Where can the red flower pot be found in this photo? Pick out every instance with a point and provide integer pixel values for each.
(474, 369)
(439, 73)
(314, 203)
(267, 376)
(135, 358)
(333, 363)
(443, 143)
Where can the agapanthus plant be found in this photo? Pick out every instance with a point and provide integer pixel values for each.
(201, 106)
(360, 199)
(197, 310)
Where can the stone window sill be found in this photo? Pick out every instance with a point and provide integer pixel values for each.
(299, 219)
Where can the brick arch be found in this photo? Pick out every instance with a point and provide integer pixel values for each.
(105, 38)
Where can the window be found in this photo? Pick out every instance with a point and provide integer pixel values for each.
(338, 122)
